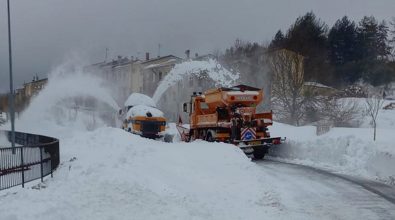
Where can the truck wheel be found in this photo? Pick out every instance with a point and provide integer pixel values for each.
(259, 154)
(209, 137)
(168, 138)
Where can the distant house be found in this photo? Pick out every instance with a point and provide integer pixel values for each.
(119, 75)
(126, 75)
(318, 89)
(34, 87)
(154, 70)
(3, 102)
(23, 94)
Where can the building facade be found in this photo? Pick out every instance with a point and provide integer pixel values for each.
(34, 87)
(129, 75)
(154, 70)
(23, 95)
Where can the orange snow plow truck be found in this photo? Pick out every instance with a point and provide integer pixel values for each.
(229, 115)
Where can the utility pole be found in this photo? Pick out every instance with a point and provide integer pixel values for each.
(11, 98)
(159, 50)
(105, 59)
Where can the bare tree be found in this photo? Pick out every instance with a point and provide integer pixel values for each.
(392, 39)
(340, 112)
(289, 97)
(373, 104)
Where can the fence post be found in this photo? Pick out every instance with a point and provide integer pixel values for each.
(41, 164)
(1, 165)
(23, 169)
(51, 165)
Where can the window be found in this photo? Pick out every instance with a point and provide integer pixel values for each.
(203, 106)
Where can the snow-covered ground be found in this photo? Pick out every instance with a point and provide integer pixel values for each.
(111, 174)
(346, 150)
(117, 175)
(3, 117)
(107, 173)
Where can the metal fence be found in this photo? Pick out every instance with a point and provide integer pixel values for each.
(35, 157)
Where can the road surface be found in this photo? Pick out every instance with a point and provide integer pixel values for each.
(322, 195)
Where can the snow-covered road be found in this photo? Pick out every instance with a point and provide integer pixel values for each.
(322, 195)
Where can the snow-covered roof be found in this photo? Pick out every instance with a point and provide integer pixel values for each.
(142, 110)
(139, 99)
(161, 58)
(317, 85)
(166, 63)
(243, 93)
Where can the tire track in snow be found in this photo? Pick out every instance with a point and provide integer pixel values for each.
(387, 192)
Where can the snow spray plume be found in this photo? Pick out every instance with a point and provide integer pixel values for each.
(72, 100)
(211, 68)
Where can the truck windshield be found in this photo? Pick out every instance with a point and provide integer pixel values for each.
(203, 105)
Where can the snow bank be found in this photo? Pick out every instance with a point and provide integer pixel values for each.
(345, 150)
(3, 117)
(139, 99)
(216, 72)
(107, 173)
(112, 174)
(142, 110)
(4, 140)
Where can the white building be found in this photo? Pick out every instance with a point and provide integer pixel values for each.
(128, 75)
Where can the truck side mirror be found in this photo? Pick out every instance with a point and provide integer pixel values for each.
(185, 107)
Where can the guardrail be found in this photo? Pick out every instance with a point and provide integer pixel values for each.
(35, 157)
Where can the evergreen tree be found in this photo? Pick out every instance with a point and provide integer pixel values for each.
(308, 37)
(383, 48)
(278, 41)
(367, 32)
(373, 39)
(392, 39)
(342, 42)
(374, 51)
(343, 50)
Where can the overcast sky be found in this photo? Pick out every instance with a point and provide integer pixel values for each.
(46, 32)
